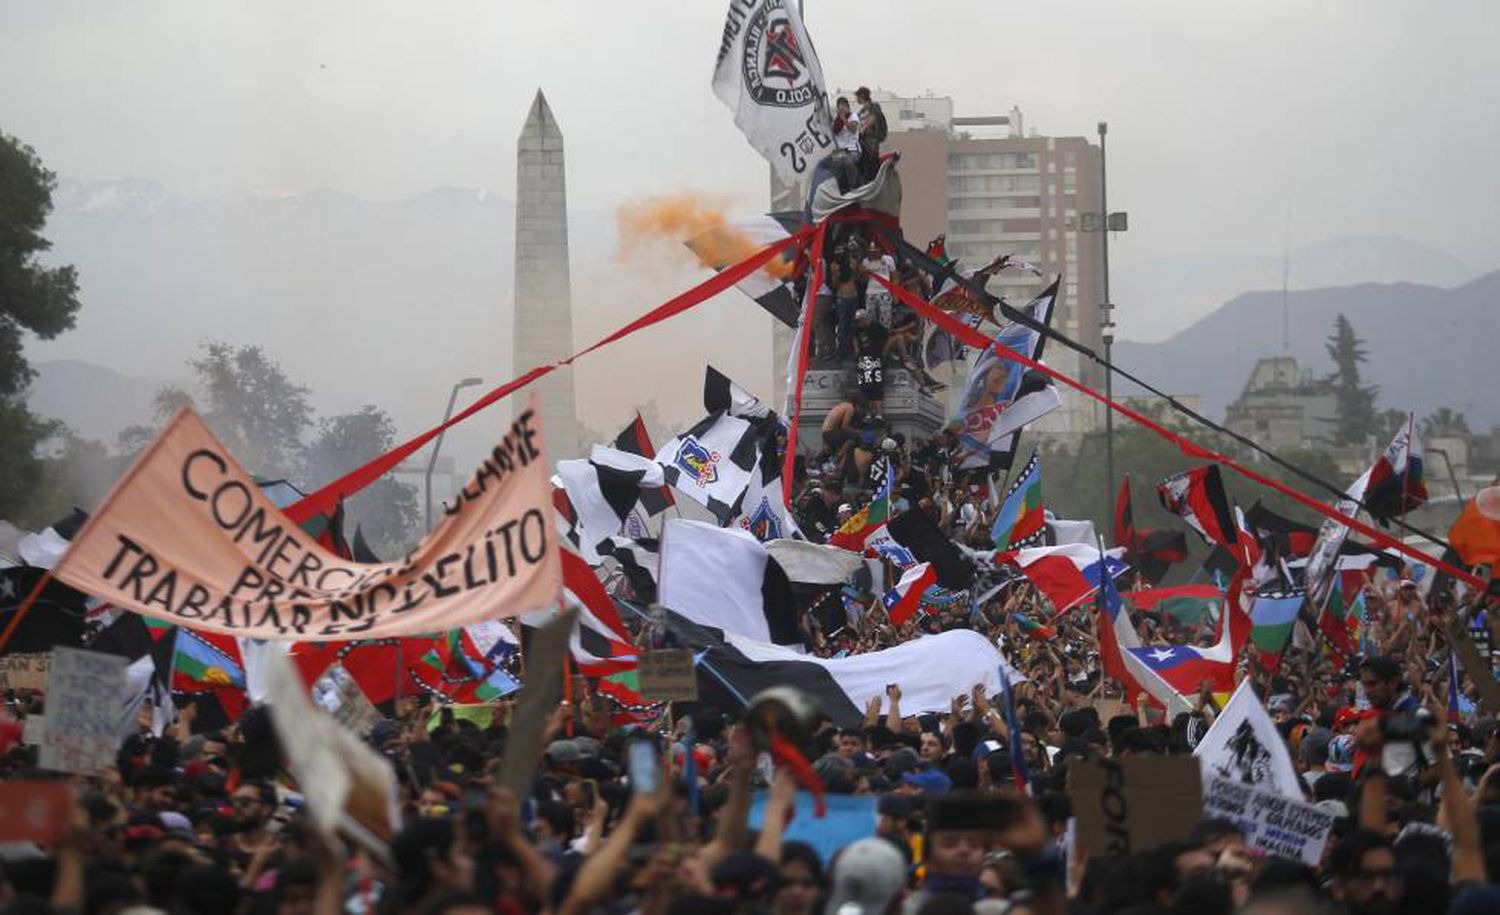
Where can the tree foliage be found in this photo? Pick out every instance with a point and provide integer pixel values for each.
(1356, 402)
(1445, 423)
(251, 404)
(34, 298)
(387, 510)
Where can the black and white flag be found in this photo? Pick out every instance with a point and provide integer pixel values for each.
(1245, 747)
(768, 74)
(604, 490)
(931, 669)
(712, 462)
(639, 561)
(725, 578)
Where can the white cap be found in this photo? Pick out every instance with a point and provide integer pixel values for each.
(867, 875)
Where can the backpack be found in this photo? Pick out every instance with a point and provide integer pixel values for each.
(878, 133)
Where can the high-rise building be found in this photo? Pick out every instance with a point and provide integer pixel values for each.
(543, 327)
(993, 189)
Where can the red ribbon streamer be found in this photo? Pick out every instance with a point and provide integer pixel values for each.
(974, 338)
(802, 771)
(804, 341)
(325, 499)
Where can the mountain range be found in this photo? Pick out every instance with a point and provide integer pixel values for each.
(1428, 347)
(1156, 297)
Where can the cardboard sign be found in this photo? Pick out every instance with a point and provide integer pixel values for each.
(337, 694)
(1273, 823)
(345, 784)
(34, 811)
(1128, 805)
(83, 711)
(544, 689)
(850, 817)
(668, 675)
(35, 730)
(24, 671)
(188, 537)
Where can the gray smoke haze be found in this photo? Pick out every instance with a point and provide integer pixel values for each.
(1356, 117)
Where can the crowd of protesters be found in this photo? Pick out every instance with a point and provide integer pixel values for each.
(973, 807)
(207, 821)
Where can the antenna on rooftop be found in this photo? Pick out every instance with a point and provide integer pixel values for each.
(1286, 259)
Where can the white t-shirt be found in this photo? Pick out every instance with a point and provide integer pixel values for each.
(847, 139)
(884, 265)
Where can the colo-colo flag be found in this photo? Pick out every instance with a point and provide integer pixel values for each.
(188, 537)
(768, 74)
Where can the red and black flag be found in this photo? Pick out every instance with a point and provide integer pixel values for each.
(1280, 537)
(1197, 496)
(634, 439)
(1152, 552)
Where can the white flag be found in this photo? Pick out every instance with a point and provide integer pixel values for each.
(1245, 747)
(768, 74)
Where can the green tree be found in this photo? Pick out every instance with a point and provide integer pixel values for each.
(387, 510)
(251, 404)
(1356, 402)
(1387, 423)
(39, 299)
(1445, 423)
(76, 471)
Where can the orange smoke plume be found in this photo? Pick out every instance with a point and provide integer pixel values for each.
(692, 223)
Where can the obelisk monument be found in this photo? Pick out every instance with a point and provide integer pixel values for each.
(543, 330)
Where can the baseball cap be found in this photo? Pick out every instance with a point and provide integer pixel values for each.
(932, 782)
(563, 751)
(867, 875)
(986, 747)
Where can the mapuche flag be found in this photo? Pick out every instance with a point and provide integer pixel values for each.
(1021, 518)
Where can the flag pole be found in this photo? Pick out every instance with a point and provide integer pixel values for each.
(24, 608)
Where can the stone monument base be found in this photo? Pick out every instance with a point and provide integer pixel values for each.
(907, 410)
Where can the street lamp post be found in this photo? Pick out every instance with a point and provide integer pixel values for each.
(1107, 325)
(438, 444)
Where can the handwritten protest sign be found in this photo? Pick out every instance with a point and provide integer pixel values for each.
(24, 671)
(83, 711)
(188, 537)
(1273, 823)
(667, 675)
(1126, 805)
(849, 817)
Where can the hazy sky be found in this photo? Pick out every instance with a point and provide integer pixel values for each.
(1366, 116)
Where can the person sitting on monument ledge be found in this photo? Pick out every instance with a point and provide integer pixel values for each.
(846, 438)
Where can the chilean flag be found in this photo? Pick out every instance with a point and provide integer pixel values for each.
(901, 601)
(1116, 635)
(1395, 484)
(1066, 574)
(1172, 673)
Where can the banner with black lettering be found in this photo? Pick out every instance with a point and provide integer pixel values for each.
(769, 76)
(187, 537)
